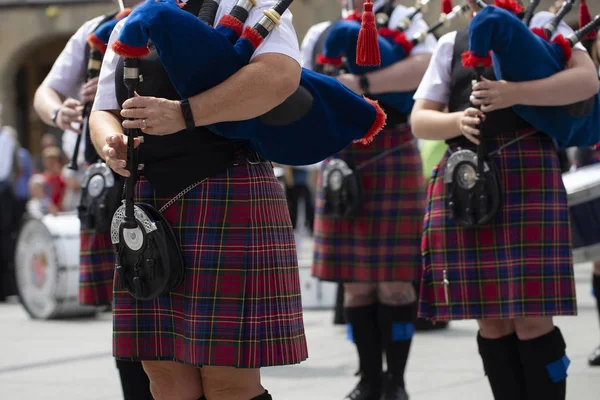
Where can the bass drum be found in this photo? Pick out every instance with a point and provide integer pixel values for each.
(47, 267)
(583, 191)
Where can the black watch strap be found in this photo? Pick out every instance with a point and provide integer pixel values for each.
(188, 116)
(364, 84)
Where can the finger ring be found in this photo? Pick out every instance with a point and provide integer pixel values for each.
(144, 126)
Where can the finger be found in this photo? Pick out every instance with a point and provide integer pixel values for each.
(481, 94)
(490, 107)
(473, 112)
(137, 113)
(70, 113)
(470, 130)
(118, 167)
(471, 121)
(134, 124)
(137, 102)
(471, 138)
(71, 103)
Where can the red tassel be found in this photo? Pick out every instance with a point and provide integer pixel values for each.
(378, 124)
(471, 60)
(509, 5)
(125, 50)
(335, 61)
(585, 18)
(540, 32)
(447, 6)
(367, 48)
(233, 23)
(565, 45)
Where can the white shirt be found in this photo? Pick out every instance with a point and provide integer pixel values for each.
(435, 85)
(400, 12)
(281, 40)
(67, 76)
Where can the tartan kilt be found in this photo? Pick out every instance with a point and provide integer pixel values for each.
(239, 304)
(97, 267)
(382, 243)
(518, 265)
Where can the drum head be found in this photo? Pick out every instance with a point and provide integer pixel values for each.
(36, 265)
(582, 184)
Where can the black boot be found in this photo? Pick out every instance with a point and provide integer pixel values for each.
(264, 396)
(545, 365)
(367, 339)
(502, 365)
(134, 381)
(396, 324)
(594, 358)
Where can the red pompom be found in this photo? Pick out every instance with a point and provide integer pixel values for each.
(447, 6)
(403, 42)
(565, 46)
(540, 32)
(378, 124)
(95, 43)
(335, 61)
(367, 48)
(509, 5)
(123, 14)
(585, 18)
(252, 36)
(233, 23)
(127, 51)
(471, 60)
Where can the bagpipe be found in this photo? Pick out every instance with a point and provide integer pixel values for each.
(318, 120)
(100, 189)
(497, 37)
(342, 45)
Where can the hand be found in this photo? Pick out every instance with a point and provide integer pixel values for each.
(351, 81)
(468, 121)
(69, 113)
(153, 116)
(88, 91)
(115, 153)
(494, 95)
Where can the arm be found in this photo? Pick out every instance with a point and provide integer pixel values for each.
(403, 76)
(429, 121)
(45, 101)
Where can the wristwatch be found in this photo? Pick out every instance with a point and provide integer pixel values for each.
(54, 114)
(363, 81)
(188, 116)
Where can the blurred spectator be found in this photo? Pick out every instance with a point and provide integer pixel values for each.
(21, 188)
(298, 193)
(53, 161)
(39, 204)
(72, 195)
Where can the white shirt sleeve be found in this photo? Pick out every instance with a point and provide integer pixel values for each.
(106, 96)
(418, 25)
(69, 70)
(309, 42)
(543, 17)
(435, 85)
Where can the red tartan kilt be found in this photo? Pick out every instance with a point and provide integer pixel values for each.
(97, 266)
(382, 243)
(239, 304)
(518, 265)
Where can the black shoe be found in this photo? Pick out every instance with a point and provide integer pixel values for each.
(594, 358)
(392, 390)
(365, 390)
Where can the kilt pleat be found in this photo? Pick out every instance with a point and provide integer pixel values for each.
(382, 243)
(97, 266)
(518, 265)
(239, 304)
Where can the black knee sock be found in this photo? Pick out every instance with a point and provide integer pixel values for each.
(367, 339)
(596, 286)
(396, 324)
(502, 365)
(134, 381)
(545, 365)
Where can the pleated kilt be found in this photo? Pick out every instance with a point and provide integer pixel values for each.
(381, 244)
(97, 267)
(520, 264)
(239, 304)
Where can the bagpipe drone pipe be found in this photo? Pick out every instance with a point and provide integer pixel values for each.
(97, 40)
(319, 119)
(342, 45)
(497, 37)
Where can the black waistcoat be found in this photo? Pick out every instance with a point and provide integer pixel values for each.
(498, 121)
